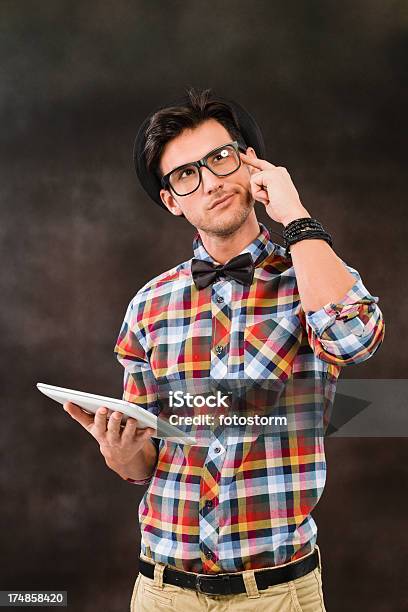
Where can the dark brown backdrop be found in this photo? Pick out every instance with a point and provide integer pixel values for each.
(326, 81)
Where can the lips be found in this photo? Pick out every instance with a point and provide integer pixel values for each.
(221, 200)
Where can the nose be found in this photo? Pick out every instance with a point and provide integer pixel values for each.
(210, 181)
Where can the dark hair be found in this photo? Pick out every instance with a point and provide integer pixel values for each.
(169, 122)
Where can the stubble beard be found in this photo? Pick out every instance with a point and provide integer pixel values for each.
(228, 222)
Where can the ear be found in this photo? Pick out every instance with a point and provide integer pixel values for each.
(170, 202)
(251, 153)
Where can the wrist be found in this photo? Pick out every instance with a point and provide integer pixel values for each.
(122, 469)
(299, 214)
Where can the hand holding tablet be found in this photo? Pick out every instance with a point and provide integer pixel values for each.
(90, 403)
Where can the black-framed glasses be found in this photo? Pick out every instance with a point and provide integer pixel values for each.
(221, 161)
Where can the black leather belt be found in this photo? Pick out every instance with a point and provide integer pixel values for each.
(233, 583)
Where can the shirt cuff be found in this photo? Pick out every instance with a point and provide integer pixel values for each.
(353, 304)
(139, 482)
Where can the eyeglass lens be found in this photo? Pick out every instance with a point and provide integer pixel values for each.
(222, 161)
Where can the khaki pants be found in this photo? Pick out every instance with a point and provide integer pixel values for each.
(301, 595)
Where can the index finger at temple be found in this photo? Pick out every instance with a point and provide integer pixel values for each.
(260, 164)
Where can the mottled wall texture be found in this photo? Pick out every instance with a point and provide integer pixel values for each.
(326, 81)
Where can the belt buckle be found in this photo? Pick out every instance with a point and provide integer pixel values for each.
(225, 582)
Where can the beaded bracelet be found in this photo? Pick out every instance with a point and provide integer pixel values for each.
(304, 228)
(301, 221)
(294, 226)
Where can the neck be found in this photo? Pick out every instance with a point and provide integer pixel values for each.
(224, 248)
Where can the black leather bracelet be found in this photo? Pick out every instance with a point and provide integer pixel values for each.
(308, 234)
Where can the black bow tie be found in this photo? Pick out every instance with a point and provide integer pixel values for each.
(240, 268)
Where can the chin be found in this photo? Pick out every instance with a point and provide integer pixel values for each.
(229, 221)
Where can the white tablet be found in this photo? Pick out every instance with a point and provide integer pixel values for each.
(91, 402)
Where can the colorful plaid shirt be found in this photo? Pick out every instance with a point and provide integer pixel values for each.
(232, 506)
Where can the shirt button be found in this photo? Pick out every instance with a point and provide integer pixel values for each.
(209, 503)
(218, 349)
(220, 299)
(217, 449)
(209, 554)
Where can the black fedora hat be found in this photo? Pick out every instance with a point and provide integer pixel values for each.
(245, 122)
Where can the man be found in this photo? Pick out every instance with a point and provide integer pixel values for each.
(228, 525)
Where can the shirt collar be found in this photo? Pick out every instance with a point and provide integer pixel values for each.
(259, 248)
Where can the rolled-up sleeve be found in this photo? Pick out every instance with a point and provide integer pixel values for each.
(139, 383)
(349, 331)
